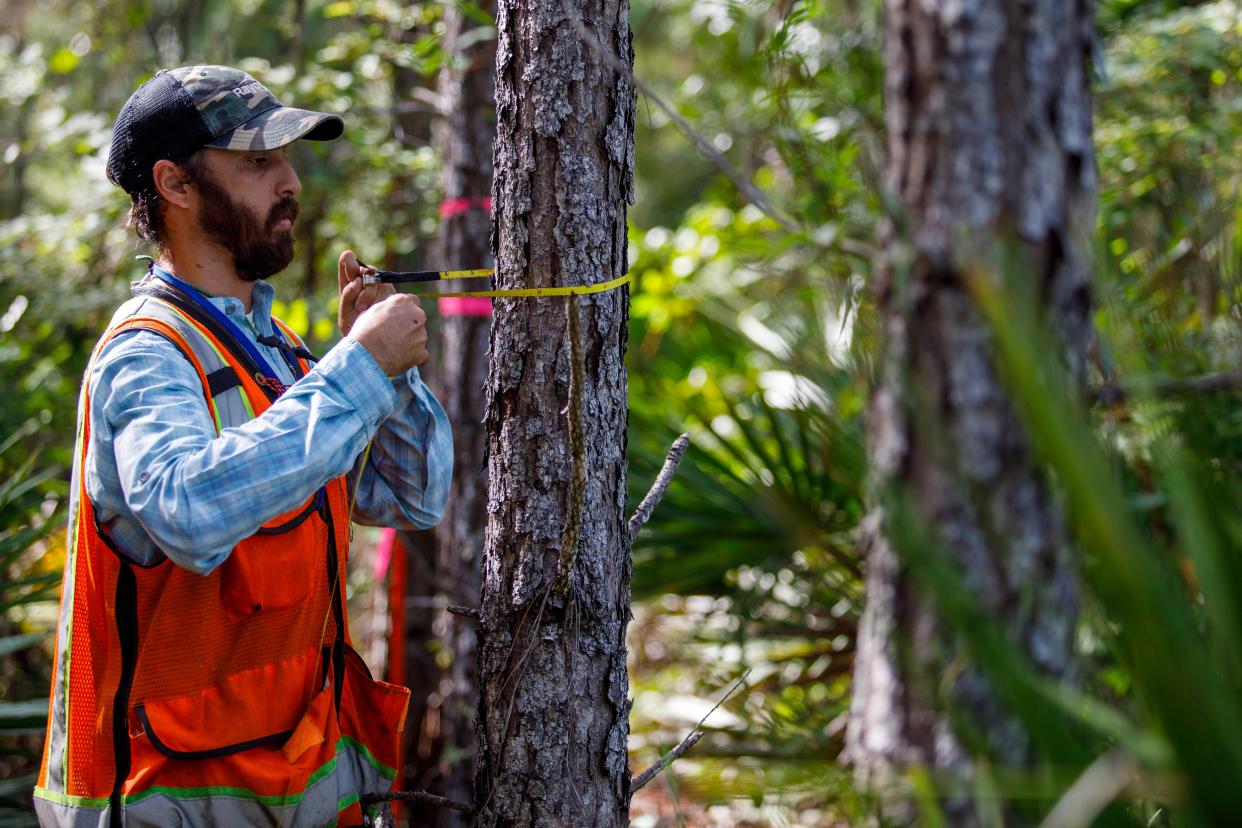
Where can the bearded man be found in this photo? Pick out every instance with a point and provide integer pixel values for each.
(204, 674)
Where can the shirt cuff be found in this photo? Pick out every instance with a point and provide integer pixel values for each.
(351, 369)
(406, 385)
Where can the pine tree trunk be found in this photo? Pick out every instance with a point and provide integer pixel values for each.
(424, 739)
(465, 135)
(989, 141)
(553, 721)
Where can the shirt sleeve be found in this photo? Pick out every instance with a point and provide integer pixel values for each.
(198, 494)
(406, 477)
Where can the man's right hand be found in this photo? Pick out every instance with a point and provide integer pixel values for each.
(394, 332)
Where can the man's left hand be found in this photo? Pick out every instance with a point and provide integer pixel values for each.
(355, 296)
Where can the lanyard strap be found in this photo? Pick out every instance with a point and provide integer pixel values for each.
(240, 339)
(287, 351)
(280, 341)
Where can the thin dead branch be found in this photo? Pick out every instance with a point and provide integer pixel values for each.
(691, 739)
(753, 194)
(417, 796)
(671, 461)
(744, 185)
(468, 612)
(666, 760)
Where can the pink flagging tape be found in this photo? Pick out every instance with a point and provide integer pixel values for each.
(465, 306)
(456, 206)
(383, 553)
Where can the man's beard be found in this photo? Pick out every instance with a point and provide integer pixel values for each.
(258, 249)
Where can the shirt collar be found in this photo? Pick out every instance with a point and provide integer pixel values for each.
(261, 297)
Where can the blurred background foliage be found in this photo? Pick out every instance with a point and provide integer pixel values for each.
(751, 329)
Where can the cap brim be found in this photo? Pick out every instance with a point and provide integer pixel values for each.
(279, 126)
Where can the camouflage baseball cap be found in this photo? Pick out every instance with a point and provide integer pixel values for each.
(180, 111)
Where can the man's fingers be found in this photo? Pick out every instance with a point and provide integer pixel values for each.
(347, 269)
(349, 294)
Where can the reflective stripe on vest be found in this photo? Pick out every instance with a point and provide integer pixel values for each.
(224, 704)
(321, 803)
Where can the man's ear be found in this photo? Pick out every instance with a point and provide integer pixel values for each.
(171, 182)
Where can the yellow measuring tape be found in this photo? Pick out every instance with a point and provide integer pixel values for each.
(576, 290)
(389, 277)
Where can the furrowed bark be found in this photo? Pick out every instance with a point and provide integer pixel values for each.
(553, 721)
(989, 144)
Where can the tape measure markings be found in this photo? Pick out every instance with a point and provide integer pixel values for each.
(576, 290)
(390, 277)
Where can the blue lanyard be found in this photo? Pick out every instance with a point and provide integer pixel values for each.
(196, 296)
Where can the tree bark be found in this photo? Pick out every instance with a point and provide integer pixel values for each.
(988, 115)
(465, 134)
(554, 713)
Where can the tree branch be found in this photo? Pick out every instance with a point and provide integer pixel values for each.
(690, 741)
(416, 796)
(643, 513)
(666, 760)
(468, 612)
(744, 185)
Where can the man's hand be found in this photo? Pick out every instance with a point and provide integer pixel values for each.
(355, 297)
(394, 332)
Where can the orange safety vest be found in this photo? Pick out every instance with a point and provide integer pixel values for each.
(227, 699)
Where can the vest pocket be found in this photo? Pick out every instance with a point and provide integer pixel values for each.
(372, 719)
(222, 755)
(254, 708)
(275, 567)
(163, 747)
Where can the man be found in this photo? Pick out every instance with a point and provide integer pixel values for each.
(203, 673)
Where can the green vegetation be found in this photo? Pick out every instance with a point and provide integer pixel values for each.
(752, 330)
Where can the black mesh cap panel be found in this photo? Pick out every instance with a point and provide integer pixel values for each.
(158, 121)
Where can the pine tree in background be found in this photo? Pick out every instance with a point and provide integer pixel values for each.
(465, 135)
(553, 722)
(414, 584)
(988, 148)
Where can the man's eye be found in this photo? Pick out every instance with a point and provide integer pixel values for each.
(259, 160)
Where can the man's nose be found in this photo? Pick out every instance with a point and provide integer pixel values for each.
(290, 185)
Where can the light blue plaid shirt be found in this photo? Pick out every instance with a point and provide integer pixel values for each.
(162, 481)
